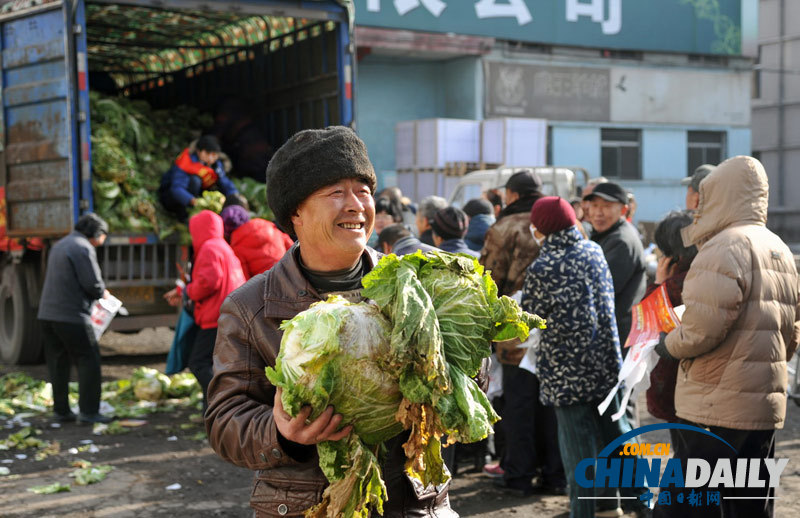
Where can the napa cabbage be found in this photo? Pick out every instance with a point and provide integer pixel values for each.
(404, 359)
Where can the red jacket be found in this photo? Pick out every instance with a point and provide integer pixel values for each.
(216, 271)
(259, 245)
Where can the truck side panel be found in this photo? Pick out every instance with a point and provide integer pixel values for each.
(37, 113)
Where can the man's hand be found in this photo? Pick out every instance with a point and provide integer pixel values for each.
(193, 202)
(106, 294)
(296, 429)
(173, 297)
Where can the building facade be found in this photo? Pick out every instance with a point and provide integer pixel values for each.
(638, 96)
(776, 111)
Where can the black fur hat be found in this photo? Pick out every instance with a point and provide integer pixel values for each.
(310, 160)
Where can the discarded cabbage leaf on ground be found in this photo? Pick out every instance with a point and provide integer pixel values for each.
(49, 489)
(89, 474)
(402, 362)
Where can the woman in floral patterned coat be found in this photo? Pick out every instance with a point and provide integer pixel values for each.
(579, 357)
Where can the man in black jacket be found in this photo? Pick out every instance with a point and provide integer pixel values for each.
(72, 283)
(622, 248)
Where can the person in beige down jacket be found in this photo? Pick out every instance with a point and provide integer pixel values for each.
(740, 327)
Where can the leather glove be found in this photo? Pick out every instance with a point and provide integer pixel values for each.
(661, 348)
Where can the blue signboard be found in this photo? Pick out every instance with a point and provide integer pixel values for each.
(691, 26)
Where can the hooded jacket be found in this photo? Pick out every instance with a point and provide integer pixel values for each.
(239, 420)
(741, 297)
(216, 271)
(259, 244)
(509, 247)
(479, 225)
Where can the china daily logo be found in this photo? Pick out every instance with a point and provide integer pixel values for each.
(626, 469)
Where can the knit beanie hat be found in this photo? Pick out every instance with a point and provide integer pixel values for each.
(311, 160)
(233, 216)
(551, 214)
(477, 206)
(449, 223)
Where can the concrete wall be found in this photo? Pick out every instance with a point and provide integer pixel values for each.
(777, 142)
(664, 161)
(680, 96)
(390, 90)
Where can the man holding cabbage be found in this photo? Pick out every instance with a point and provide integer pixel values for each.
(319, 186)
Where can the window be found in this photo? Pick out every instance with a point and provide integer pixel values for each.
(621, 153)
(705, 147)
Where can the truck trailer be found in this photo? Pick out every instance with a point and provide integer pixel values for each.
(292, 60)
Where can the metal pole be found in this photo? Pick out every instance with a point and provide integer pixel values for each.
(781, 107)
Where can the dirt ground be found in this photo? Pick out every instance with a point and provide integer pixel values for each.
(164, 452)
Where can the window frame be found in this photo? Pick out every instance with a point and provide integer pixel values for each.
(608, 141)
(705, 146)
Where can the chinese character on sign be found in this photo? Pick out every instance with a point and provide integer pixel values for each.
(664, 498)
(679, 498)
(646, 497)
(712, 497)
(695, 499)
(594, 9)
(404, 6)
(512, 9)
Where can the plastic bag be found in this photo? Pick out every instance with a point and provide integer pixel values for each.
(103, 311)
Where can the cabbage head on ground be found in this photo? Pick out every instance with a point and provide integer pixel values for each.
(403, 361)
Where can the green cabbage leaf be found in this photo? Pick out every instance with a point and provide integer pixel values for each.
(404, 360)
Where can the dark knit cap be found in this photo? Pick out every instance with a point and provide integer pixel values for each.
(551, 214)
(311, 160)
(477, 206)
(524, 183)
(91, 225)
(208, 143)
(233, 217)
(449, 223)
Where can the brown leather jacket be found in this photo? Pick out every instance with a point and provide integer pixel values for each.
(239, 418)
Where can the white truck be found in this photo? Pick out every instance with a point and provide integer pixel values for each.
(556, 181)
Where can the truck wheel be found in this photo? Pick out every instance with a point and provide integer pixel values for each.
(20, 341)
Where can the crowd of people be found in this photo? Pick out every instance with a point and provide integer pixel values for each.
(577, 263)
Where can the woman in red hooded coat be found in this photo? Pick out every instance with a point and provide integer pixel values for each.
(258, 243)
(216, 272)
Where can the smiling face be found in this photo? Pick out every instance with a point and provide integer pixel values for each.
(333, 225)
(603, 213)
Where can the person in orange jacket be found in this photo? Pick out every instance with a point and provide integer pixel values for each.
(258, 243)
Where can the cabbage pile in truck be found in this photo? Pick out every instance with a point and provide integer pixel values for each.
(264, 68)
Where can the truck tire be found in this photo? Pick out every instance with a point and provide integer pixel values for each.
(20, 339)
